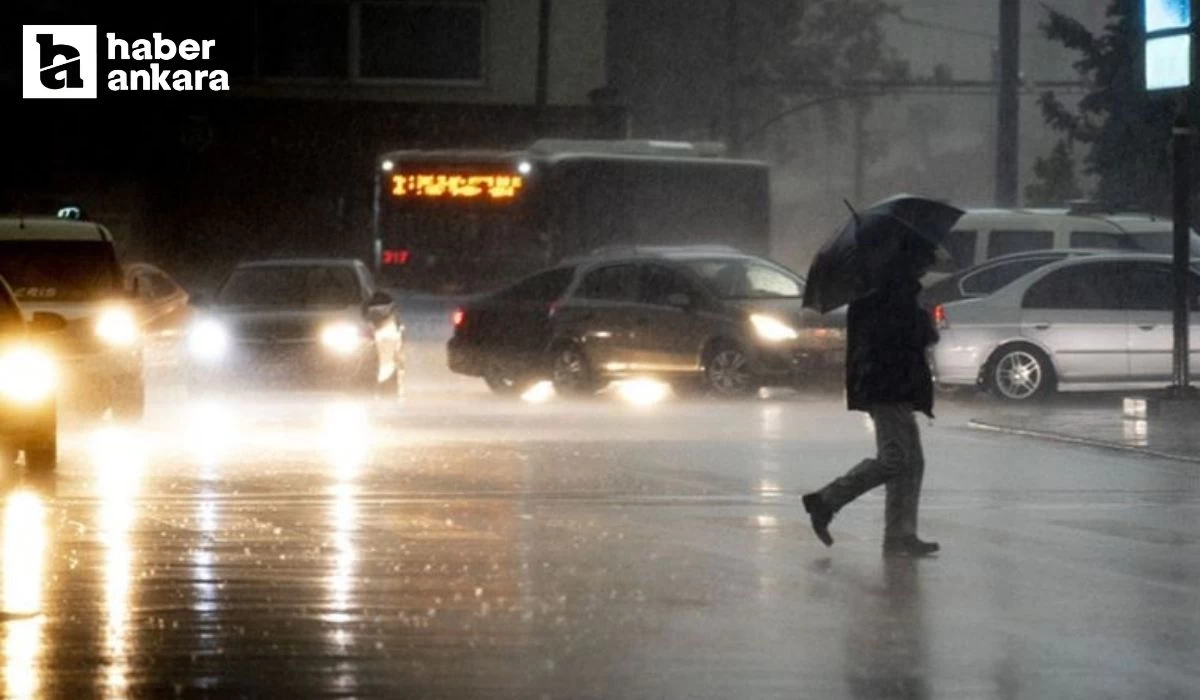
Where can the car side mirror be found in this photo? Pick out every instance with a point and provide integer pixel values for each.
(380, 299)
(198, 299)
(43, 322)
(680, 300)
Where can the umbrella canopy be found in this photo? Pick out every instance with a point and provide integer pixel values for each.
(864, 250)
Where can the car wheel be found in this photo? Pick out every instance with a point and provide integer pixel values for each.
(129, 400)
(727, 372)
(8, 455)
(41, 452)
(1020, 373)
(572, 373)
(503, 383)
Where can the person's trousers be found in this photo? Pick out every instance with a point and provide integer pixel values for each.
(899, 464)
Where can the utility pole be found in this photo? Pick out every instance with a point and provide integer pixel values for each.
(1008, 105)
(733, 107)
(1181, 145)
(541, 88)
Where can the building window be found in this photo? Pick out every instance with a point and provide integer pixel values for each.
(302, 39)
(400, 40)
(422, 41)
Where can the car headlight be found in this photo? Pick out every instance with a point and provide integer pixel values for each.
(117, 327)
(772, 329)
(27, 375)
(343, 337)
(208, 340)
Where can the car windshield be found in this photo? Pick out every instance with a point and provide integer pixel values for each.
(542, 287)
(59, 270)
(992, 278)
(291, 285)
(1162, 242)
(735, 278)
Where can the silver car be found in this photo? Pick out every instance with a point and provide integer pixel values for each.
(1083, 323)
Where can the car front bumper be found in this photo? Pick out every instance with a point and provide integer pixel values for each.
(286, 364)
(20, 422)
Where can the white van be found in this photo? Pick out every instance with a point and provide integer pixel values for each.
(69, 267)
(983, 234)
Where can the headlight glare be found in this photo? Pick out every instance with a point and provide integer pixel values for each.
(208, 340)
(342, 338)
(117, 327)
(27, 375)
(772, 329)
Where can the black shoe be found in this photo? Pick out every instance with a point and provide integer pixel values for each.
(821, 516)
(909, 547)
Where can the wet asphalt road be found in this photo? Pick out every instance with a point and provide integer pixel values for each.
(460, 546)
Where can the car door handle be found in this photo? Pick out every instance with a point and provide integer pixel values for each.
(1149, 327)
(1041, 326)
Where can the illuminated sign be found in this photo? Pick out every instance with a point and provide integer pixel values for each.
(1167, 14)
(398, 256)
(494, 187)
(1169, 62)
(1168, 43)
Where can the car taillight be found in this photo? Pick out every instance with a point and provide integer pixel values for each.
(458, 318)
(939, 316)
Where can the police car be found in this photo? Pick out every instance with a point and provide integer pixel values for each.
(68, 267)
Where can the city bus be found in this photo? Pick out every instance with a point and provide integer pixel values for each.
(453, 221)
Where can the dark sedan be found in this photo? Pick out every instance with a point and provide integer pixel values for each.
(298, 322)
(703, 319)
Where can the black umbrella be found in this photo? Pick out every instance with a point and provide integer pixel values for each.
(865, 249)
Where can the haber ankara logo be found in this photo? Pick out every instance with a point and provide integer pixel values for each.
(58, 61)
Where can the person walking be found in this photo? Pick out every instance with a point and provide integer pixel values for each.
(888, 377)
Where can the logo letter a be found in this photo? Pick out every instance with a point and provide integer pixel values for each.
(56, 76)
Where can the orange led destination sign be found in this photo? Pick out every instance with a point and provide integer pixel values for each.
(493, 187)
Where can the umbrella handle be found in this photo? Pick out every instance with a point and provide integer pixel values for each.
(857, 221)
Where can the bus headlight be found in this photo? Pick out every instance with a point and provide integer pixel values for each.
(342, 338)
(27, 375)
(772, 329)
(208, 340)
(117, 327)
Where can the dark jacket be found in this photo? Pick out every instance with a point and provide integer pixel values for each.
(887, 335)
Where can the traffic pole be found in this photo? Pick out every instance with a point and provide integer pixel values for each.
(1181, 133)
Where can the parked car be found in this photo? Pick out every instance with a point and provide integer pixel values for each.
(28, 384)
(69, 267)
(309, 322)
(983, 234)
(1084, 322)
(985, 278)
(702, 318)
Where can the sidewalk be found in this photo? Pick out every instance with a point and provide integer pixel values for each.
(1096, 420)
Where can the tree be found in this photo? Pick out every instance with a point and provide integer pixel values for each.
(1057, 182)
(1126, 129)
(797, 50)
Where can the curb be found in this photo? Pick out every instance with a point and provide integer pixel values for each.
(1075, 440)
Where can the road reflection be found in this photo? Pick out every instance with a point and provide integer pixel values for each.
(118, 456)
(24, 562)
(887, 644)
(346, 440)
